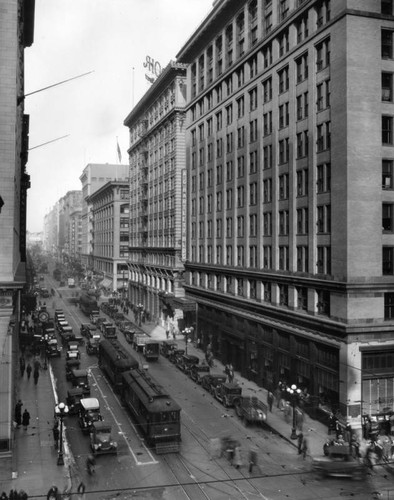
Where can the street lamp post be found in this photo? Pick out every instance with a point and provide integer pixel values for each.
(187, 331)
(294, 393)
(140, 308)
(61, 411)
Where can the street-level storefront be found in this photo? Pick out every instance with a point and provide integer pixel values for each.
(269, 355)
(377, 388)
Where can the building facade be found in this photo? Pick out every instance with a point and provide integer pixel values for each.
(289, 135)
(158, 201)
(94, 176)
(110, 234)
(16, 33)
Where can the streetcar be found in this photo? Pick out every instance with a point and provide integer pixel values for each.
(114, 359)
(157, 414)
(88, 303)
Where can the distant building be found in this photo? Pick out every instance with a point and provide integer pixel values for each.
(158, 201)
(93, 177)
(16, 33)
(290, 180)
(110, 229)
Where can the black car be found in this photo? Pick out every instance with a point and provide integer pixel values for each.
(87, 329)
(211, 382)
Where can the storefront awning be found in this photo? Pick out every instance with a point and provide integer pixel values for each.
(106, 283)
(184, 303)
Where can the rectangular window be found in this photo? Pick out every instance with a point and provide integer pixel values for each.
(240, 226)
(323, 222)
(267, 156)
(283, 151)
(253, 99)
(284, 186)
(302, 298)
(267, 123)
(302, 68)
(218, 254)
(267, 90)
(302, 259)
(240, 167)
(387, 217)
(240, 260)
(388, 305)
(267, 256)
(323, 181)
(323, 140)
(323, 263)
(387, 87)
(253, 131)
(229, 171)
(219, 148)
(284, 115)
(253, 162)
(267, 292)
(229, 142)
(387, 44)
(283, 42)
(283, 258)
(219, 228)
(387, 174)
(240, 107)
(229, 199)
(219, 123)
(387, 261)
(253, 193)
(241, 137)
(229, 114)
(229, 227)
(323, 54)
(267, 224)
(219, 174)
(302, 220)
(302, 182)
(240, 196)
(387, 130)
(253, 225)
(283, 222)
(283, 76)
(253, 259)
(323, 302)
(386, 7)
(267, 191)
(302, 106)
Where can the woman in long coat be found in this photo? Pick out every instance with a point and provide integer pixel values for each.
(25, 419)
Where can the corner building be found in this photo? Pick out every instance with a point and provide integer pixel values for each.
(157, 247)
(290, 176)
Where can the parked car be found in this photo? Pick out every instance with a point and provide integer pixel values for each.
(52, 348)
(251, 410)
(101, 440)
(92, 345)
(66, 333)
(73, 400)
(198, 371)
(167, 346)
(175, 355)
(89, 412)
(212, 381)
(72, 363)
(228, 394)
(79, 378)
(126, 326)
(186, 362)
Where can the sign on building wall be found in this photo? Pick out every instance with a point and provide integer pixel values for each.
(153, 67)
(183, 214)
(6, 298)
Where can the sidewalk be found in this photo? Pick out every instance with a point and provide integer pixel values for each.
(313, 430)
(34, 466)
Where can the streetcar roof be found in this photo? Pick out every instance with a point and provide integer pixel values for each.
(149, 392)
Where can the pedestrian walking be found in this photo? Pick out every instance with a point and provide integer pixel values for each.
(173, 335)
(304, 448)
(167, 333)
(18, 413)
(22, 365)
(4, 496)
(300, 439)
(25, 419)
(56, 434)
(13, 495)
(28, 370)
(252, 458)
(270, 400)
(81, 491)
(230, 373)
(36, 374)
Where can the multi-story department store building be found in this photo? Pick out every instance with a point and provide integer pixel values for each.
(290, 172)
(158, 201)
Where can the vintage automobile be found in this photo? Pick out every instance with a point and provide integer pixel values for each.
(87, 329)
(109, 331)
(104, 324)
(167, 346)
(79, 378)
(61, 323)
(92, 345)
(73, 345)
(101, 440)
(89, 412)
(94, 315)
(187, 361)
(66, 333)
(212, 381)
(52, 348)
(73, 400)
(197, 372)
(339, 462)
(72, 363)
(129, 336)
(175, 355)
(118, 318)
(251, 410)
(228, 393)
(99, 321)
(139, 341)
(126, 326)
(151, 350)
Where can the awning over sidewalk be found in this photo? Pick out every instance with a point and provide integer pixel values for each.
(106, 283)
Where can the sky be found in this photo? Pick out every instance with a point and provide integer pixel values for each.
(108, 38)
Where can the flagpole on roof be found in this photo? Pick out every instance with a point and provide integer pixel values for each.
(132, 87)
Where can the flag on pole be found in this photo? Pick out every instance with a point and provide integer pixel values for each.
(119, 151)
